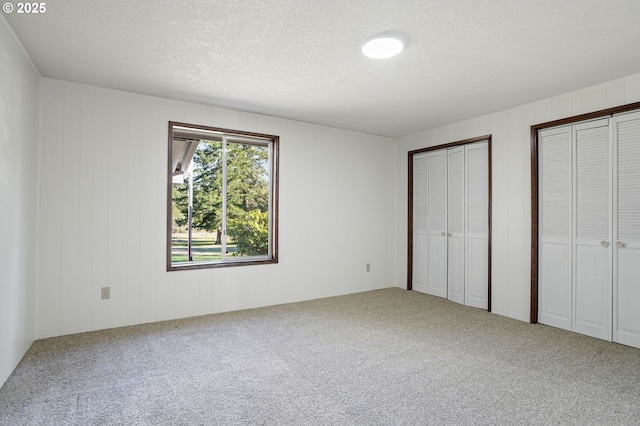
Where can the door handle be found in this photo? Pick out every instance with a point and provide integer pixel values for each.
(621, 244)
(449, 234)
(444, 234)
(604, 244)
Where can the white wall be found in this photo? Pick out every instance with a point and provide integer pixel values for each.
(511, 171)
(18, 198)
(103, 213)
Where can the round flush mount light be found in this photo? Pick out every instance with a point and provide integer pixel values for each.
(383, 46)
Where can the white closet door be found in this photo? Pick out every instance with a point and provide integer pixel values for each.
(555, 236)
(420, 222)
(592, 281)
(477, 225)
(456, 208)
(437, 247)
(627, 229)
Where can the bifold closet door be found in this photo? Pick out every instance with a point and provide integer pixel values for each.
(626, 136)
(592, 278)
(420, 263)
(456, 225)
(476, 243)
(589, 249)
(575, 283)
(555, 177)
(451, 223)
(437, 248)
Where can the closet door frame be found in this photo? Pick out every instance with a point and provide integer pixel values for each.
(535, 129)
(486, 138)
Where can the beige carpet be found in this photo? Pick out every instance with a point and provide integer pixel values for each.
(380, 357)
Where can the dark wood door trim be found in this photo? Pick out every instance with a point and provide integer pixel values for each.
(410, 205)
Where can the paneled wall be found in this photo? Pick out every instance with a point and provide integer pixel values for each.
(103, 213)
(18, 200)
(511, 190)
(102, 208)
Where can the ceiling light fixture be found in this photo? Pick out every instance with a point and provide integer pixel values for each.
(383, 46)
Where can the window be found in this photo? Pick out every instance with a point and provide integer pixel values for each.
(223, 197)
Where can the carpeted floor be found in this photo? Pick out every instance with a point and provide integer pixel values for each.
(381, 357)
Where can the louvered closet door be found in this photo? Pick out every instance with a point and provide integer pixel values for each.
(626, 136)
(555, 235)
(420, 222)
(477, 225)
(592, 280)
(455, 212)
(437, 248)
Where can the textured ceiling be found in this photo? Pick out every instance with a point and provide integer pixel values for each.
(301, 59)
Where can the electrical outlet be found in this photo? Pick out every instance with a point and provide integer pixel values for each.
(105, 293)
(368, 267)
